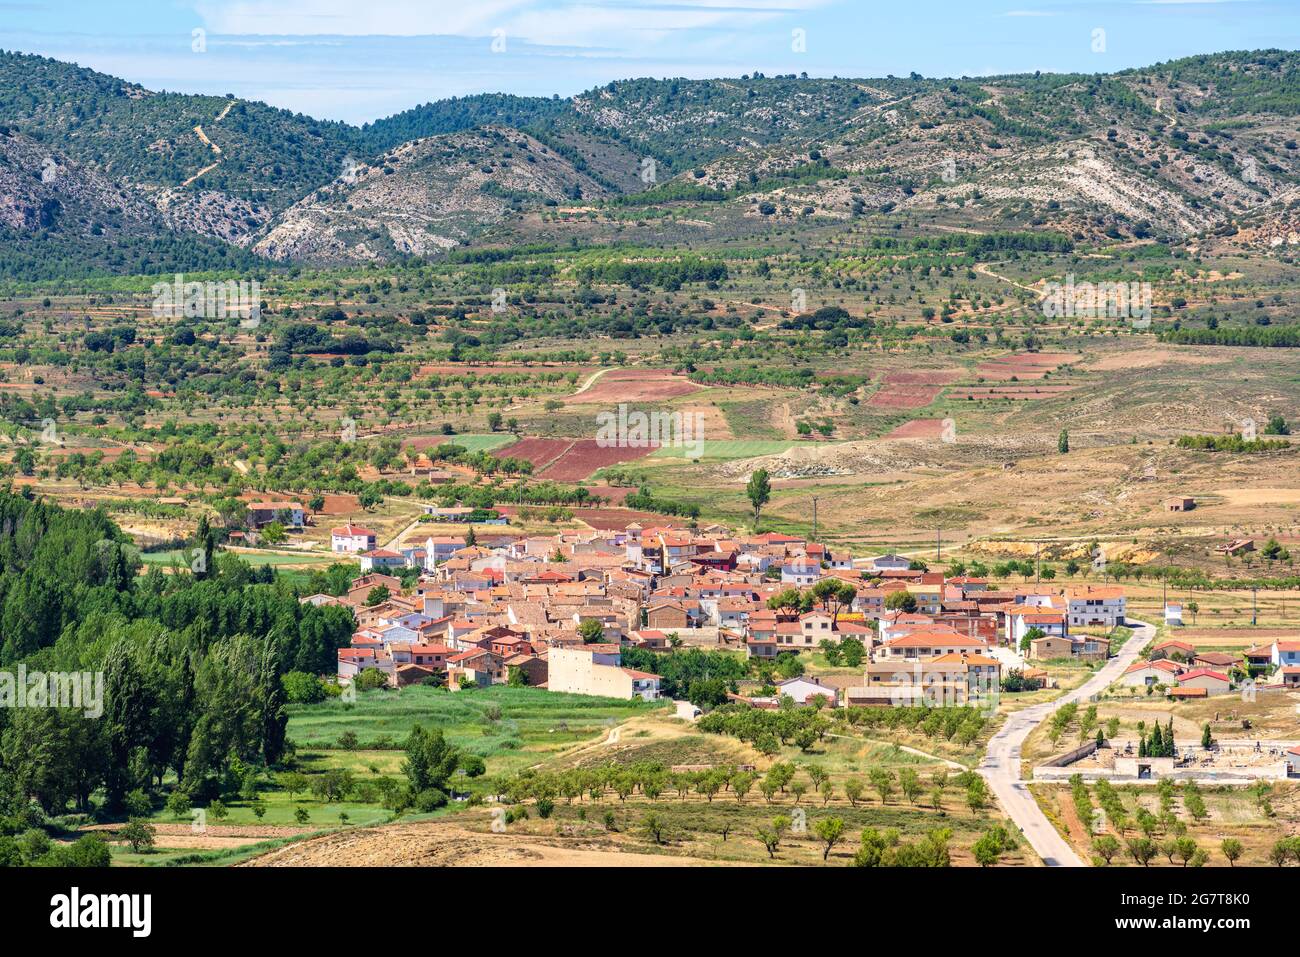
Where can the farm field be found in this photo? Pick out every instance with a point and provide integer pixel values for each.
(584, 457)
(696, 828)
(1253, 818)
(632, 386)
(509, 727)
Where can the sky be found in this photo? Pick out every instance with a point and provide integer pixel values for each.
(358, 60)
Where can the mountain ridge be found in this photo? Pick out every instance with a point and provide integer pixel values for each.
(1168, 151)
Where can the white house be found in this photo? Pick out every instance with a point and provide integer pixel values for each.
(930, 643)
(352, 539)
(842, 561)
(895, 624)
(1293, 760)
(1144, 674)
(1214, 682)
(801, 572)
(1050, 623)
(1095, 605)
(1286, 654)
(1173, 615)
(816, 625)
(596, 669)
(290, 514)
(381, 559)
(885, 563)
(439, 548)
(803, 690)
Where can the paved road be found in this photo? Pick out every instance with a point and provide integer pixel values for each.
(1001, 765)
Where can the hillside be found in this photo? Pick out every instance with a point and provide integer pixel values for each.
(426, 196)
(1179, 150)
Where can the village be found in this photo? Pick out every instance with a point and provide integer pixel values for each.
(556, 612)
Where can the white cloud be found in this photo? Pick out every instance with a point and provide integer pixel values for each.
(350, 18)
(552, 22)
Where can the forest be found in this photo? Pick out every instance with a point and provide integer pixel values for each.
(191, 665)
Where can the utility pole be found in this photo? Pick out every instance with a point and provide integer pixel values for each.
(1038, 563)
(1254, 607)
(938, 544)
(814, 534)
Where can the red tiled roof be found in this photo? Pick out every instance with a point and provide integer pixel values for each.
(1201, 673)
(350, 530)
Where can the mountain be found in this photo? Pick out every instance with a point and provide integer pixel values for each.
(42, 190)
(1198, 146)
(59, 217)
(426, 196)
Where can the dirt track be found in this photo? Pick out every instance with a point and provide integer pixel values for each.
(447, 844)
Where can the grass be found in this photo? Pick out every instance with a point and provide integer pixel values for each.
(726, 449)
(484, 442)
(163, 856)
(510, 728)
(183, 557)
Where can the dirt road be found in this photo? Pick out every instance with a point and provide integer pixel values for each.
(1001, 765)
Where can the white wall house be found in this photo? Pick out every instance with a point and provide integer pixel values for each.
(1096, 607)
(803, 690)
(1019, 622)
(381, 559)
(801, 573)
(351, 539)
(1286, 654)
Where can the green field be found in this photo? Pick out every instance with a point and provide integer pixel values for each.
(726, 449)
(483, 442)
(510, 728)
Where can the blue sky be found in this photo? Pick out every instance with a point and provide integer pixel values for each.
(358, 60)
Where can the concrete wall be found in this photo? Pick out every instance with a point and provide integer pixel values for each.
(1061, 760)
(572, 670)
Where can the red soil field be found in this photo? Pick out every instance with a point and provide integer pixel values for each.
(1024, 365)
(541, 452)
(585, 457)
(925, 377)
(1026, 392)
(634, 385)
(911, 390)
(422, 442)
(611, 493)
(904, 397)
(917, 429)
(340, 505)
